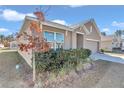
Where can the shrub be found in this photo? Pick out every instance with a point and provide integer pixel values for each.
(102, 50)
(56, 60)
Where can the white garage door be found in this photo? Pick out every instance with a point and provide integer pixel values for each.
(92, 45)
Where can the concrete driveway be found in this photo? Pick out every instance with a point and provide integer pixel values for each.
(113, 57)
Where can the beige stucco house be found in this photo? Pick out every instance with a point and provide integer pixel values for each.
(82, 35)
(107, 42)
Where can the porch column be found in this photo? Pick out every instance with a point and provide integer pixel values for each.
(74, 40)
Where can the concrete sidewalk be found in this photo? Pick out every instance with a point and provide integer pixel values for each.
(118, 58)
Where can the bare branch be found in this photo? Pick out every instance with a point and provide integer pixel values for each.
(46, 11)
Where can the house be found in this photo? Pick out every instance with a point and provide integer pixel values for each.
(82, 35)
(107, 42)
(118, 41)
(1, 45)
(13, 45)
(122, 41)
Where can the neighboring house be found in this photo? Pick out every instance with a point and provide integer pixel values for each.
(82, 35)
(107, 42)
(13, 45)
(1, 45)
(122, 41)
(118, 42)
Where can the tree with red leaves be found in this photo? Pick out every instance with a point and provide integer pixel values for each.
(36, 41)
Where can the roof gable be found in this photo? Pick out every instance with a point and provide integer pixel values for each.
(93, 30)
(87, 27)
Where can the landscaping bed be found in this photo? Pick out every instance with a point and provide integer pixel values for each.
(54, 67)
(102, 74)
(64, 78)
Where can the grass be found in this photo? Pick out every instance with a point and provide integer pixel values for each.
(8, 55)
(3, 50)
(9, 75)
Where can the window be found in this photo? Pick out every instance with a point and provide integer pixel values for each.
(59, 37)
(49, 36)
(55, 39)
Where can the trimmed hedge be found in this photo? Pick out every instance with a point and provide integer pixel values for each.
(55, 60)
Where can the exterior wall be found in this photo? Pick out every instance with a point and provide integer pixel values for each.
(67, 35)
(95, 42)
(95, 37)
(80, 30)
(80, 40)
(107, 45)
(94, 34)
(26, 55)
